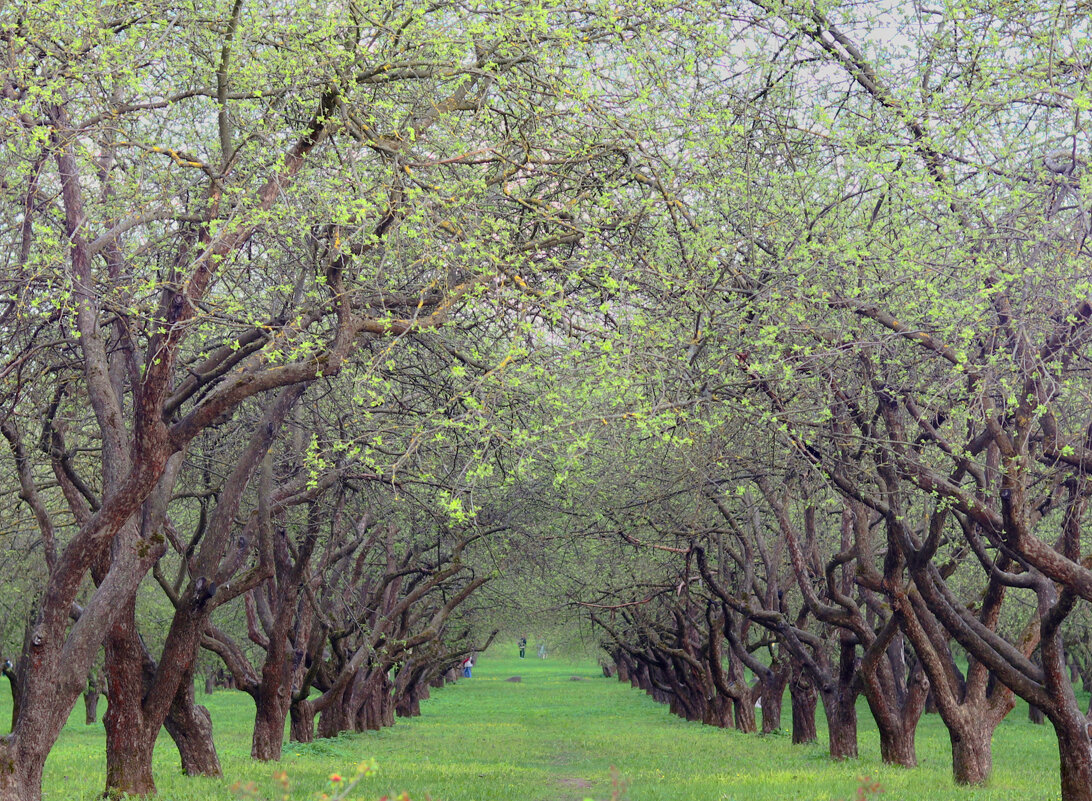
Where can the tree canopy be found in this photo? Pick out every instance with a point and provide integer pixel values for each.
(754, 336)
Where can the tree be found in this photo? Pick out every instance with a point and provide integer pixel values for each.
(863, 251)
(939, 398)
(181, 242)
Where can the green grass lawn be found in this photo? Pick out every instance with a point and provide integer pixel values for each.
(549, 738)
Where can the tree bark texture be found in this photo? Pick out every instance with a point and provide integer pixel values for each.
(129, 744)
(773, 694)
(803, 698)
(972, 753)
(301, 729)
(272, 704)
(190, 726)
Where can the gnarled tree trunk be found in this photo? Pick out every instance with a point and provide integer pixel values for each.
(20, 776)
(803, 698)
(132, 721)
(272, 705)
(972, 753)
(301, 729)
(839, 703)
(190, 726)
(772, 694)
(129, 744)
(335, 717)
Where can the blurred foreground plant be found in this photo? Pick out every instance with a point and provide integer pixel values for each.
(338, 787)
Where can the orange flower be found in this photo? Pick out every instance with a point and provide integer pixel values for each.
(334, 777)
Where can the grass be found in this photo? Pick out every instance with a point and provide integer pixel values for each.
(549, 738)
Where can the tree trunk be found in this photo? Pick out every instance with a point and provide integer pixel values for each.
(190, 726)
(128, 761)
(409, 701)
(136, 708)
(129, 744)
(375, 707)
(841, 724)
(272, 701)
(972, 752)
(686, 703)
(269, 720)
(408, 706)
(743, 704)
(839, 704)
(622, 669)
(91, 700)
(1076, 758)
(898, 722)
(1070, 726)
(334, 718)
(803, 697)
(410, 689)
(773, 692)
(897, 745)
(745, 713)
(896, 703)
(718, 712)
(1035, 715)
(302, 726)
(931, 703)
(357, 698)
(20, 777)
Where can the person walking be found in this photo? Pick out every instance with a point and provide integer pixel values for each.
(522, 647)
(468, 665)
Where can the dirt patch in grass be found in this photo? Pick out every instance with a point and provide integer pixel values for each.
(572, 781)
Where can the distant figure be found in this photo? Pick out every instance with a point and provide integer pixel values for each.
(468, 664)
(542, 651)
(522, 647)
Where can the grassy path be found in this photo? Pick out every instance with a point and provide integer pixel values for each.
(549, 738)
